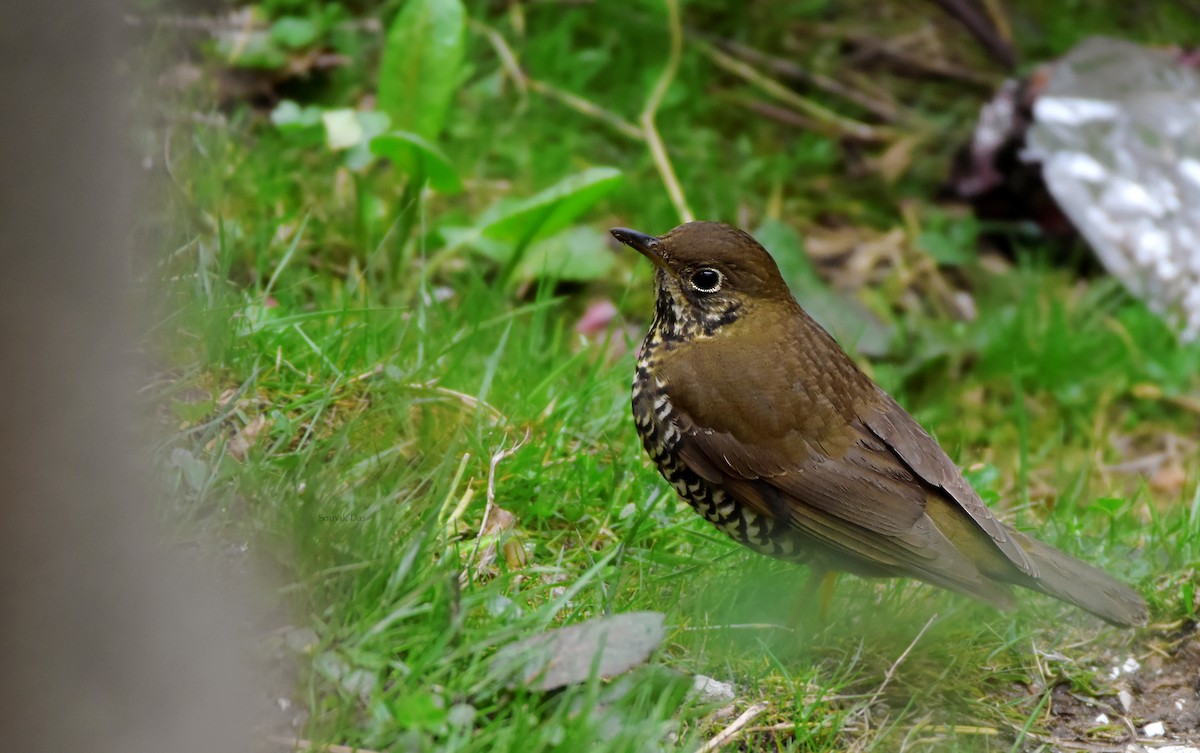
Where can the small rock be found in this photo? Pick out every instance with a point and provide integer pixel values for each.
(1126, 699)
(461, 715)
(1127, 666)
(1154, 729)
(709, 690)
(1101, 719)
(302, 640)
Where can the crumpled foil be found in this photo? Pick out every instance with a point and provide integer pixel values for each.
(1117, 132)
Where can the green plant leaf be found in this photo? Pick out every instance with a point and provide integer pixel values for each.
(294, 32)
(405, 148)
(290, 116)
(421, 65)
(949, 240)
(550, 211)
(577, 254)
(253, 49)
(373, 124)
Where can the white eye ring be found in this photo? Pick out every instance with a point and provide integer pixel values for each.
(707, 280)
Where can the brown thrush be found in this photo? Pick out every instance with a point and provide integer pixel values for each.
(771, 432)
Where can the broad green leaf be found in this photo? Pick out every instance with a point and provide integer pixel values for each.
(579, 253)
(949, 240)
(456, 237)
(409, 149)
(551, 210)
(251, 49)
(373, 124)
(419, 710)
(289, 116)
(945, 249)
(294, 32)
(421, 65)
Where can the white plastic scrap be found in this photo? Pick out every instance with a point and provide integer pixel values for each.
(1117, 132)
(1154, 729)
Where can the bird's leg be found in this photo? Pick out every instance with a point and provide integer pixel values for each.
(819, 589)
(828, 584)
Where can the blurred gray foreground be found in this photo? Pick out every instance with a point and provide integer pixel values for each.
(108, 641)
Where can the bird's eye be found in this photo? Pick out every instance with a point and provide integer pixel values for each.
(706, 280)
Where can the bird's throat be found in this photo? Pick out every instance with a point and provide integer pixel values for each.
(678, 317)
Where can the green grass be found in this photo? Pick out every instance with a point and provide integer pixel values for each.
(381, 422)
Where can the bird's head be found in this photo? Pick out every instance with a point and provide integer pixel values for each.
(709, 274)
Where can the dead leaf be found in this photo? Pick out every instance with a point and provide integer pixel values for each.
(897, 158)
(243, 439)
(1169, 478)
(565, 656)
(498, 529)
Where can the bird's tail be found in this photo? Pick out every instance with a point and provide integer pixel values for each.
(1078, 583)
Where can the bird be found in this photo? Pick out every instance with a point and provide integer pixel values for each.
(770, 431)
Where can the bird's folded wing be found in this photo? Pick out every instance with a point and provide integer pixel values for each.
(881, 481)
(834, 442)
(866, 484)
(922, 551)
(922, 454)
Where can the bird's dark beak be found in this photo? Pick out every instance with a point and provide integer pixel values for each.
(646, 245)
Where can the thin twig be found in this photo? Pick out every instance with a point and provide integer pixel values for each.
(727, 734)
(884, 109)
(468, 400)
(829, 121)
(647, 131)
(586, 107)
(898, 59)
(658, 150)
(781, 727)
(497, 456)
(524, 82)
(508, 58)
(980, 27)
(782, 114)
(738, 626)
(887, 677)
(995, 12)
